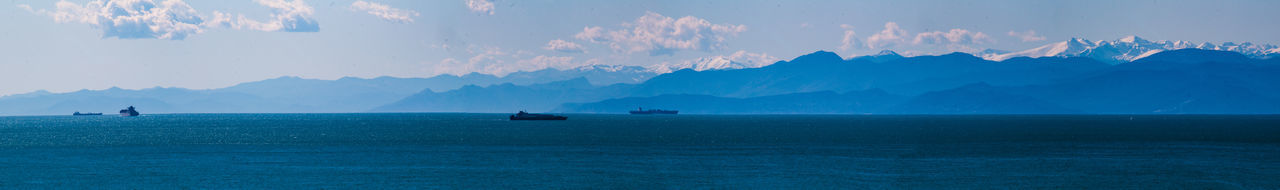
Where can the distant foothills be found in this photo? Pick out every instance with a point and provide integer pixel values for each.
(1126, 76)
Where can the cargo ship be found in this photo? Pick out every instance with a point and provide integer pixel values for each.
(85, 114)
(129, 112)
(529, 116)
(641, 111)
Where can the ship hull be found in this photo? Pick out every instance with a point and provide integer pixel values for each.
(528, 116)
(653, 112)
(533, 119)
(516, 118)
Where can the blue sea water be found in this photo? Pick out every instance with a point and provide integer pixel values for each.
(448, 150)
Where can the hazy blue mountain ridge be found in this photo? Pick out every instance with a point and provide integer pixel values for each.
(1180, 81)
(162, 100)
(1187, 81)
(507, 97)
(826, 102)
(289, 94)
(826, 71)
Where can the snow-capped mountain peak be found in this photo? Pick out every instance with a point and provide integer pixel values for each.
(1130, 48)
(1206, 45)
(1075, 46)
(611, 68)
(737, 60)
(1133, 39)
(887, 52)
(706, 63)
(989, 53)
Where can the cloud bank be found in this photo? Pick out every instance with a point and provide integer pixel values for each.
(850, 39)
(954, 36)
(651, 33)
(137, 19)
(564, 46)
(661, 35)
(892, 36)
(384, 12)
(500, 62)
(480, 6)
(172, 19)
(542, 61)
(288, 16)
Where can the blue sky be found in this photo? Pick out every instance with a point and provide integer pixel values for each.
(204, 44)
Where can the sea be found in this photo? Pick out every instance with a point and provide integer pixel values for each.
(614, 151)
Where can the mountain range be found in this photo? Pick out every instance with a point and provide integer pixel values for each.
(1187, 81)
(506, 97)
(1126, 76)
(293, 94)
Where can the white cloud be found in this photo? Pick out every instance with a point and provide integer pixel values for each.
(955, 40)
(593, 34)
(892, 35)
(385, 12)
(480, 6)
(488, 61)
(564, 46)
(850, 39)
(449, 61)
(134, 19)
(658, 35)
(488, 56)
(953, 36)
(172, 19)
(286, 16)
(496, 61)
(26, 7)
(499, 62)
(541, 62)
(451, 66)
(1029, 36)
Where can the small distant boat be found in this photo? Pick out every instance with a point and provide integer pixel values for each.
(85, 114)
(641, 111)
(129, 112)
(529, 116)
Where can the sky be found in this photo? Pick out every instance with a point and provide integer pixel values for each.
(63, 46)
